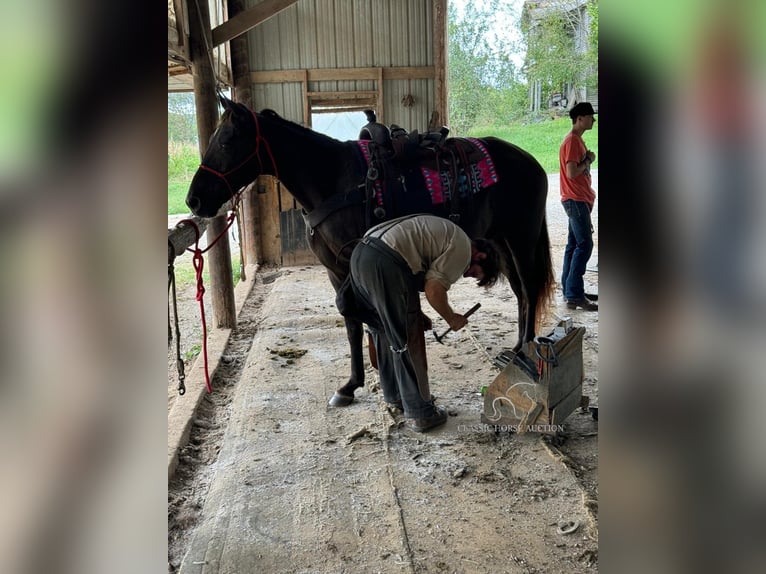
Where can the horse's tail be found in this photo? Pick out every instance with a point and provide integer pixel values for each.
(544, 276)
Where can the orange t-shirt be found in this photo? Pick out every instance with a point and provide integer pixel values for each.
(573, 149)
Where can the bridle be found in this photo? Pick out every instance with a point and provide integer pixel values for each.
(256, 153)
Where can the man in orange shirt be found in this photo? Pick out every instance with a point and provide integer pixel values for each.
(577, 197)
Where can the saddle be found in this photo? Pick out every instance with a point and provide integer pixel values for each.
(409, 172)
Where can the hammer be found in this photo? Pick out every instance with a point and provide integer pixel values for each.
(470, 312)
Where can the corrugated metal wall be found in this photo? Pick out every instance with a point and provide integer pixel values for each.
(347, 34)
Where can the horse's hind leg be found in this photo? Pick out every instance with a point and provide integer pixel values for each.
(528, 300)
(509, 270)
(523, 310)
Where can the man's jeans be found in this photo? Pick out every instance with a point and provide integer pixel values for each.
(578, 250)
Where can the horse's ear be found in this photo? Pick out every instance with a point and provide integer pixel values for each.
(226, 103)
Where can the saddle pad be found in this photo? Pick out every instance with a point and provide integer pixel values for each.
(471, 178)
(441, 185)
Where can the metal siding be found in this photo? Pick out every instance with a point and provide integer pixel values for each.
(347, 33)
(287, 28)
(363, 34)
(344, 40)
(381, 34)
(307, 33)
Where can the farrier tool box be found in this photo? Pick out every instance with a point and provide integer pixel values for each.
(540, 386)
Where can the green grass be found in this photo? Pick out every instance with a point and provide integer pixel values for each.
(183, 161)
(542, 139)
(185, 274)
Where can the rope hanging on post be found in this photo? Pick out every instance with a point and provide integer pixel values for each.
(179, 360)
(198, 262)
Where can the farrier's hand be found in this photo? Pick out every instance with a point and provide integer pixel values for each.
(427, 323)
(591, 156)
(457, 322)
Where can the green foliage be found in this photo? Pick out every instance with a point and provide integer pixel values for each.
(183, 161)
(541, 138)
(552, 55)
(481, 75)
(182, 119)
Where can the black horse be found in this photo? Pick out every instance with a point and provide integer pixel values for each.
(328, 179)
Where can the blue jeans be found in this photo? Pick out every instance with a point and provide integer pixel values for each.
(578, 250)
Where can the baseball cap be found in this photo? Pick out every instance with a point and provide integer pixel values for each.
(581, 109)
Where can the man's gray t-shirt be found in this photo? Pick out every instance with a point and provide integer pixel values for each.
(429, 244)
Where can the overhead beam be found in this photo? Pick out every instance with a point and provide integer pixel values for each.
(337, 74)
(248, 19)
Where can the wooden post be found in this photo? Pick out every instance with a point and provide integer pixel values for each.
(240, 59)
(219, 257)
(440, 59)
(240, 65)
(250, 226)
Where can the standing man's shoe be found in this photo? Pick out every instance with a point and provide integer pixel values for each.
(427, 423)
(584, 303)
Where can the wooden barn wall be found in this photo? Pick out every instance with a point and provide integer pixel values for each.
(346, 34)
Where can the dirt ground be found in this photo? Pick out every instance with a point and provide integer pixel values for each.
(274, 480)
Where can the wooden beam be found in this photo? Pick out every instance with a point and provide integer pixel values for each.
(440, 60)
(206, 102)
(341, 74)
(249, 19)
(358, 107)
(342, 105)
(343, 95)
(306, 103)
(379, 102)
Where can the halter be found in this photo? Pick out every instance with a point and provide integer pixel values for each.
(197, 257)
(256, 153)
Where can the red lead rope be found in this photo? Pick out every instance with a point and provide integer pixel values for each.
(198, 261)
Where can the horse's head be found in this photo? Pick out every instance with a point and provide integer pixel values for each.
(230, 162)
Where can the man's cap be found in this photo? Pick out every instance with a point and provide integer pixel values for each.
(581, 109)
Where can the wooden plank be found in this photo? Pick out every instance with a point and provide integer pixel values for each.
(306, 102)
(379, 103)
(337, 105)
(268, 208)
(340, 74)
(359, 107)
(440, 60)
(250, 226)
(343, 95)
(249, 19)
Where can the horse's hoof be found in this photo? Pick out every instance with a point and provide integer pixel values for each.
(339, 400)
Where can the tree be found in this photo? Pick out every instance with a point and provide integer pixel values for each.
(482, 77)
(558, 54)
(182, 119)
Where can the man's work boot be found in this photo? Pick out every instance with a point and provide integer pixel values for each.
(427, 423)
(584, 303)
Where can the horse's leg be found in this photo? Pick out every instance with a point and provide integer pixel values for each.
(535, 270)
(344, 396)
(515, 281)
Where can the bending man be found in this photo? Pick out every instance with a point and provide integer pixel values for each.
(390, 266)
